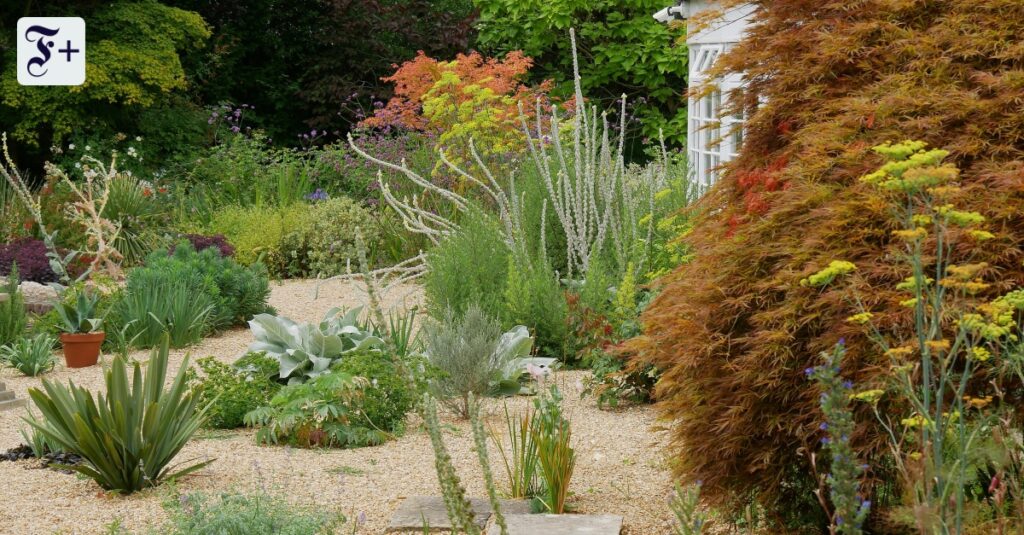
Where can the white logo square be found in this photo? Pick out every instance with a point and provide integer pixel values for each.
(51, 51)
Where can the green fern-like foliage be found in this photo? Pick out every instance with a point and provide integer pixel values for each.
(734, 328)
(320, 413)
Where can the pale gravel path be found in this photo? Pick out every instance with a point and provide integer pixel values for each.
(620, 467)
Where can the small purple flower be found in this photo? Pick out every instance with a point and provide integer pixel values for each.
(809, 371)
(235, 129)
(847, 384)
(823, 426)
(318, 195)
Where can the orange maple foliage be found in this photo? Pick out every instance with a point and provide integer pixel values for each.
(415, 78)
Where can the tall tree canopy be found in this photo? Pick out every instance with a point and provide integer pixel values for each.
(623, 50)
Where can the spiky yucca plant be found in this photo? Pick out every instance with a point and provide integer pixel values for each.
(129, 436)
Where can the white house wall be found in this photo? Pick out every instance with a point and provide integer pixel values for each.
(708, 146)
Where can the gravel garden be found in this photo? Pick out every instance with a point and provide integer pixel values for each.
(513, 268)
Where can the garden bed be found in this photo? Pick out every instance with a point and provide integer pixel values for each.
(620, 471)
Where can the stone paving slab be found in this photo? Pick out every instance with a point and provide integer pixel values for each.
(415, 509)
(519, 524)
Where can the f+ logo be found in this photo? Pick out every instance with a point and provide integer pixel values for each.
(39, 39)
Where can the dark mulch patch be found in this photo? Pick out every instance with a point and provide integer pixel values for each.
(23, 452)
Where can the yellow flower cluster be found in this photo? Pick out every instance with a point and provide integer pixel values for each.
(966, 271)
(902, 351)
(910, 283)
(977, 403)
(960, 218)
(981, 235)
(987, 330)
(860, 319)
(969, 287)
(911, 168)
(909, 303)
(903, 369)
(824, 277)
(943, 191)
(922, 220)
(914, 422)
(996, 319)
(917, 233)
(870, 396)
(937, 346)
(980, 354)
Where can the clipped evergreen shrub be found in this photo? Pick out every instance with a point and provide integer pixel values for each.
(733, 329)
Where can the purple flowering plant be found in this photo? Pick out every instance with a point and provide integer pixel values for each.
(845, 506)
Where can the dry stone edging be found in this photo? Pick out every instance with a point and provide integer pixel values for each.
(519, 524)
(414, 510)
(7, 399)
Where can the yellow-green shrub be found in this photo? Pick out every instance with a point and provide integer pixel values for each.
(257, 232)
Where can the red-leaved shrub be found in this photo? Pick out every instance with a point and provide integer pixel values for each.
(733, 329)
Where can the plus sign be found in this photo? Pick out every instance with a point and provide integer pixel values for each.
(68, 51)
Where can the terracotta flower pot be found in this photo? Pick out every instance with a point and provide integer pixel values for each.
(82, 350)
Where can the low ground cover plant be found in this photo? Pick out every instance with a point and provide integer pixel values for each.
(232, 391)
(30, 355)
(236, 513)
(187, 294)
(318, 413)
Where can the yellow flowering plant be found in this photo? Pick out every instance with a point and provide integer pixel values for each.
(959, 345)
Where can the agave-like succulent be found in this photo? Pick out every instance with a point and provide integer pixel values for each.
(305, 350)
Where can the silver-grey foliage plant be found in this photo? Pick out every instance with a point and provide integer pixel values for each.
(307, 350)
(475, 357)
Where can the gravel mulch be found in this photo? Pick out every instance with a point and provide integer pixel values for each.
(620, 467)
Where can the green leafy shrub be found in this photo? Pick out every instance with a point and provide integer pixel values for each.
(386, 399)
(142, 315)
(12, 309)
(245, 514)
(627, 51)
(323, 412)
(31, 356)
(258, 234)
(129, 435)
(237, 292)
(533, 297)
(325, 242)
(246, 170)
(468, 267)
(233, 391)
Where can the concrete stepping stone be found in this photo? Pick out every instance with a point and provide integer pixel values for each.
(519, 524)
(7, 399)
(414, 510)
